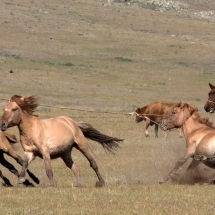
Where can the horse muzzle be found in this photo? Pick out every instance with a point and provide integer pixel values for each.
(163, 127)
(209, 109)
(4, 126)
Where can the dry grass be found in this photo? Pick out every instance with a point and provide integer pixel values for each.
(93, 55)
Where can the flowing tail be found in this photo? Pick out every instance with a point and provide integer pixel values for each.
(108, 143)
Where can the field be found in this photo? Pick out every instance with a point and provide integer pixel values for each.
(101, 60)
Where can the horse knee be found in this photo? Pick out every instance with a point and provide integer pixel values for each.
(93, 165)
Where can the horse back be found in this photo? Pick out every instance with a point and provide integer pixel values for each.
(154, 111)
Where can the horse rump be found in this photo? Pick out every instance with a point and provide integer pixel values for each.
(109, 143)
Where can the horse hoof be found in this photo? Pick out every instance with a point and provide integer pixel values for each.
(164, 181)
(161, 181)
(78, 185)
(21, 180)
(100, 184)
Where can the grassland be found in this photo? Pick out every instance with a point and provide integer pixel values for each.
(114, 57)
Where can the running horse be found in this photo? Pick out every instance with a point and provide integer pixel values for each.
(210, 104)
(52, 138)
(199, 134)
(5, 148)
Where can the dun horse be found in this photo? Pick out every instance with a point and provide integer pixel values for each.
(199, 134)
(52, 138)
(5, 148)
(210, 104)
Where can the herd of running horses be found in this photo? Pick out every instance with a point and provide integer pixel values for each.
(56, 137)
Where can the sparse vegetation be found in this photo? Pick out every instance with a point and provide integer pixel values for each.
(115, 57)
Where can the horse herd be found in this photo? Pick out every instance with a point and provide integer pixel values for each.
(56, 137)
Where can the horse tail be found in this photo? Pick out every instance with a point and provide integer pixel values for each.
(11, 138)
(108, 143)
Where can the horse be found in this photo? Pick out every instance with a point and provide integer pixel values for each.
(199, 134)
(6, 140)
(53, 137)
(153, 114)
(210, 104)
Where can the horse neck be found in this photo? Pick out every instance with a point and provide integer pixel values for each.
(26, 124)
(191, 124)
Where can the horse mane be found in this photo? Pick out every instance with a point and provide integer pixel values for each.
(28, 104)
(206, 122)
(194, 110)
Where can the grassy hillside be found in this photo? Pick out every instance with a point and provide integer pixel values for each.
(108, 56)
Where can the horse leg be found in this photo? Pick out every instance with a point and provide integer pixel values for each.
(6, 181)
(48, 167)
(146, 128)
(9, 166)
(178, 164)
(19, 160)
(70, 164)
(180, 133)
(166, 133)
(156, 130)
(85, 150)
(28, 157)
(189, 152)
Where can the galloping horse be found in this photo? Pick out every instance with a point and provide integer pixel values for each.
(210, 104)
(153, 114)
(199, 134)
(5, 148)
(52, 138)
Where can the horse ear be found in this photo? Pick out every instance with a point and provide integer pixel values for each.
(22, 98)
(211, 86)
(138, 110)
(192, 109)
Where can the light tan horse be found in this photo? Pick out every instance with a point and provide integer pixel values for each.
(199, 134)
(52, 138)
(5, 148)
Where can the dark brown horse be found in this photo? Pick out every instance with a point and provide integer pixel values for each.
(5, 148)
(210, 104)
(153, 114)
(199, 134)
(52, 138)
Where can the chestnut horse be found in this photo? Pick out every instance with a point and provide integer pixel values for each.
(199, 134)
(5, 148)
(210, 104)
(153, 113)
(52, 138)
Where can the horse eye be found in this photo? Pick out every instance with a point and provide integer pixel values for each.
(14, 109)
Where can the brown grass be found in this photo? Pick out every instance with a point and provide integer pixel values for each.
(110, 57)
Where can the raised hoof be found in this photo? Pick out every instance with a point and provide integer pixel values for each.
(100, 184)
(147, 135)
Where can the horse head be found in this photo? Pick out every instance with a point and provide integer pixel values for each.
(176, 117)
(210, 104)
(11, 116)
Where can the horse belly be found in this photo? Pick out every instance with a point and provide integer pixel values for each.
(59, 150)
(205, 151)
